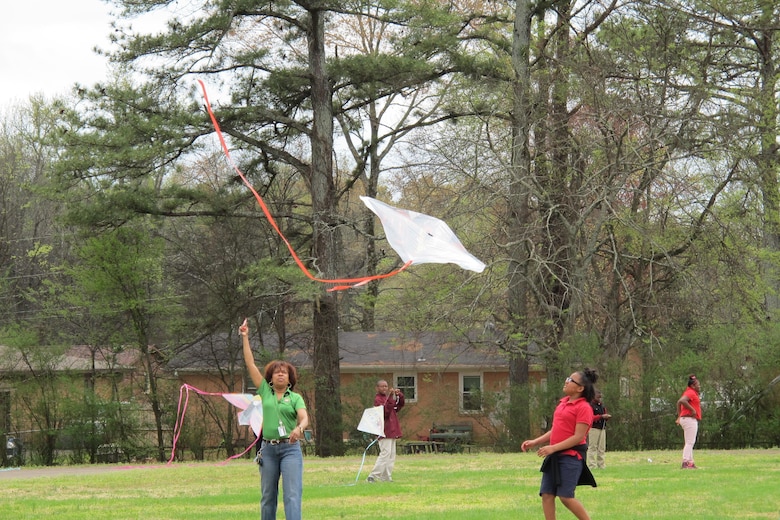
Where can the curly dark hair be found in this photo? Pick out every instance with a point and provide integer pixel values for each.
(275, 365)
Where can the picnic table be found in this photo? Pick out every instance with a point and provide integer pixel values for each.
(452, 437)
(451, 432)
(423, 446)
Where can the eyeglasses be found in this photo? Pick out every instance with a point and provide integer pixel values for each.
(570, 380)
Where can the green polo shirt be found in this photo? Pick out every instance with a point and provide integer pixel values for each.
(285, 409)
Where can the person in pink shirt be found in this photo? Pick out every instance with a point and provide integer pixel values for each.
(688, 417)
(565, 446)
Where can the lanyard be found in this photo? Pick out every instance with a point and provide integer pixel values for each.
(281, 428)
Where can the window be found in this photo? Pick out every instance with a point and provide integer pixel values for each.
(408, 385)
(625, 390)
(471, 393)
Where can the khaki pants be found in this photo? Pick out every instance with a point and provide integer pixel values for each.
(383, 469)
(597, 446)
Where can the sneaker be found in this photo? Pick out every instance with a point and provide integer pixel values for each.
(370, 479)
(689, 465)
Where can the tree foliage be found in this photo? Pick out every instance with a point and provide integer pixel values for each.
(615, 165)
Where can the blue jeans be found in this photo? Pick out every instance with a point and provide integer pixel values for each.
(286, 461)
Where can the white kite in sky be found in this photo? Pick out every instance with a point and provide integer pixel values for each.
(421, 239)
(417, 238)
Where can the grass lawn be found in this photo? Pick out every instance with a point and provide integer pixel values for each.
(729, 485)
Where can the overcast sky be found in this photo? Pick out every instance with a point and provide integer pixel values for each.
(46, 46)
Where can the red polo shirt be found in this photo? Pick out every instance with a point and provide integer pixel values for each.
(567, 415)
(694, 400)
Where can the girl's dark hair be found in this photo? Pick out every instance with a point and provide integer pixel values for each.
(273, 366)
(588, 378)
(691, 380)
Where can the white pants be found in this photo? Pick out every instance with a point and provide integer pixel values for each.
(383, 469)
(597, 445)
(690, 428)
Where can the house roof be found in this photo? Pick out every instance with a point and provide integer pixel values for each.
(77, 358)
(359, 352)
(419, 352)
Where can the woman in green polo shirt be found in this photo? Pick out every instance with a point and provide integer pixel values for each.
(284, 420)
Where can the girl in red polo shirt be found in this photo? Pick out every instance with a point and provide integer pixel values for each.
(565, 446)
(688, 417)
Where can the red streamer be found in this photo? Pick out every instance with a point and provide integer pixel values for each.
(353, 282)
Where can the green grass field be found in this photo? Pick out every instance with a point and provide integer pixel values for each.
(729, 485)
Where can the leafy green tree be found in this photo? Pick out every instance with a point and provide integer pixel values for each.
(39, 393)
(30, 241)
(739, 60)
(120, 271)
(709, 167)
(273, 62)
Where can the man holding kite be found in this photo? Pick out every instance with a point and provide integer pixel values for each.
(392, 400)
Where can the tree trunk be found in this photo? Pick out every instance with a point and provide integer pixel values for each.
(519, 219)
(154, 399)
(368, 320)
(768, 169)
(326, 248)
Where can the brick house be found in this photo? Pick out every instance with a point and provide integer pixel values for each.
(444, 379)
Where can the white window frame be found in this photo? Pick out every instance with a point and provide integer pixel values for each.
(416, 387)
(461, 390)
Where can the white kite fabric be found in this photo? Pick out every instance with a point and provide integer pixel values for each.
(251, 414)
(373, 421)
(417, 238)
(421, 239)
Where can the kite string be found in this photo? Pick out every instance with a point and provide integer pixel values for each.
(180, 411)
(362, 462)
(184, 399)
(355, 281)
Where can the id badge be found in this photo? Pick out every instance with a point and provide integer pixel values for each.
(282, 431)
